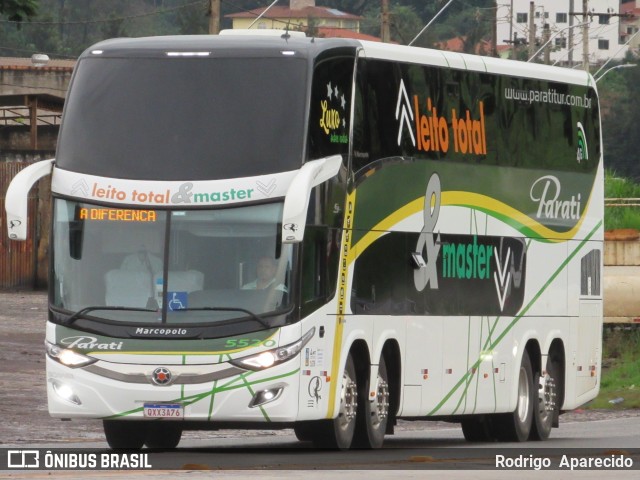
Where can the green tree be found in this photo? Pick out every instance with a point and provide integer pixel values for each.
(619, 93)
(405, 24)
(192, 20)
(18, 10)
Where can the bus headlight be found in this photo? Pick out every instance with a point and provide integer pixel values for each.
(279, 355)
(65, 392)
(67, 357)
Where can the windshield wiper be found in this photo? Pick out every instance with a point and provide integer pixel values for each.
(84, 311)
(257, 318)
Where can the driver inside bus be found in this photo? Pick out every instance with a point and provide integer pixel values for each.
(265, 276)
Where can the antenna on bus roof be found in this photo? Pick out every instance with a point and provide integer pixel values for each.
(286, 34)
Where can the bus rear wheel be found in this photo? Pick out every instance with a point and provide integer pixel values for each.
(516, 426)
(546, 403)
(374, 416)
(125, 434)
(339, 432)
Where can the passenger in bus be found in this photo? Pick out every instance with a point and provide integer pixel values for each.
(265, 276)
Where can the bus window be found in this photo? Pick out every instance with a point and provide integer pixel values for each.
(315, 274)
(330, 108)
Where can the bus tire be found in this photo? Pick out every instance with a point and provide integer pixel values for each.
(339, 432)
(164, 435)
(545, 408)
(516, 426)
(124, 434)
(373, 415)
(477, 428)
(304, 431)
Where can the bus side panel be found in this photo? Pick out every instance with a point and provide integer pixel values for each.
(584, 354)
(422, 365)
(473, 366)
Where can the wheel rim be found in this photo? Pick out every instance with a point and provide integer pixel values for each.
(348, 401)
(546, 396)
(523, 395)
(380, 405)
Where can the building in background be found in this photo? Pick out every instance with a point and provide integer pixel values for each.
(31, 100)
(302, 15)
(564, 19)
(630, 24)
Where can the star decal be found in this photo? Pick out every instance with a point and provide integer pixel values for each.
(329, 90)
(342, 101)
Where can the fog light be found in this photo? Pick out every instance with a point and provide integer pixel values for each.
(65, 392)
(265, 396)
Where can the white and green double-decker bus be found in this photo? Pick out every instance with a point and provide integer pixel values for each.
(325, 234)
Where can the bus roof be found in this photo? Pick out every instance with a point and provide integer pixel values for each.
(223, 45)
(249, 43)
(462, 61)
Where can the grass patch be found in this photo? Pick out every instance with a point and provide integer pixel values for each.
(621, 345)
(620, 217)
(620, 369)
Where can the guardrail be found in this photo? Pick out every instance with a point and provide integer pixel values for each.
(622, 202)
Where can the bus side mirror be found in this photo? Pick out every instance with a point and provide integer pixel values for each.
(16, 200)
(296, 202)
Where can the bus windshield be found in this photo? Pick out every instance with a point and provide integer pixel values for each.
(202, 118)
(186, 267)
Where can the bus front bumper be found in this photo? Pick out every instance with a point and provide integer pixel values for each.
(270, 395)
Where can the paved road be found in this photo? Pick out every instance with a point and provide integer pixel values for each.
(413, 453)
(26, 424)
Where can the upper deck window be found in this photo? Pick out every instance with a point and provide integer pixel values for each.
(184, 118)
(330, 108)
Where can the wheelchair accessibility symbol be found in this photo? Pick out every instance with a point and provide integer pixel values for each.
(177, 301)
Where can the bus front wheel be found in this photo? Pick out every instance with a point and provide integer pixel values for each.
(125, 434)
(164, 435)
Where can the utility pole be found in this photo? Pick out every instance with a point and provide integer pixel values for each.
(532, 30)
(570, 46)
(585, 36)
(547, 49)
(494, 32)
(585, 28)
(511, 37)
(513, 40)
(214, 17)
(385, 34)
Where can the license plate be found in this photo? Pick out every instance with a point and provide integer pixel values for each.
(163, 410)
